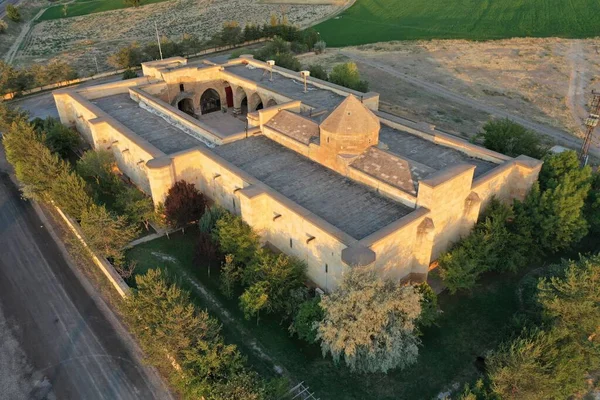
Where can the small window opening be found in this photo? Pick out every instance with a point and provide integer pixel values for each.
(291, 243)
(181, 88)
(326, 268)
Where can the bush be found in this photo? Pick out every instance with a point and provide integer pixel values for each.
(429, 305)
(317, 71)
(3, 26)
(347, 75)
(307, 319)
(13, 13)
(129, 74)
(508, 137)
(320, 47)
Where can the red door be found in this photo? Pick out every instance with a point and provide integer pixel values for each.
(229, 95)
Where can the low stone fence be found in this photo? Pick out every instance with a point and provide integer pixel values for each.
(107, 269)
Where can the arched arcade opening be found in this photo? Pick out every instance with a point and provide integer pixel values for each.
(210, 101)
(186, 105)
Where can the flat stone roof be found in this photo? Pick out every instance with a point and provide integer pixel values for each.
(352, 207)
(428, 153)
(151, 127)
(293, 88)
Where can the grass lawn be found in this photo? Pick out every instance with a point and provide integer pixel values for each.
(369, 21)
(469, 326)
(83, 7)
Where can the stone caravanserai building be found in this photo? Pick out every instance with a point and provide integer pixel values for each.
(313, 167)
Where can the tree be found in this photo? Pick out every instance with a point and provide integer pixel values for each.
(96, 167)
(508, 137)
(8, 115)
(317, 71)
(135, 206)
(70, 193)
(126, 57)
(277, 275)
(3, 26)
(208, 220)
(106, 233)
(320, 47)
(35, 166)
(13, 13)
(231, 33)
(236, 237)
(206, 250)
(554, 208)
(59, 138)
(571, 302)
(537, 365)
(307, 319)
(592, 211)
(230, 276)
(254, 299)
(310, 37)
(184, 204)
(348, 75)
(370, 322)
(429, 305)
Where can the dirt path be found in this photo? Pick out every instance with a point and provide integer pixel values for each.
(560, 136)
(12, 52)
(575, 96)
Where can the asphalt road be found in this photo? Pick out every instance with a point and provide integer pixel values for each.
(65, 335)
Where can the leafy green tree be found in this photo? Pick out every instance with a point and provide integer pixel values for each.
(135, 206)
(96, 167)
(508, 137)
(320, 47)
(461, 267)
(592, 210)
(371, 322)
(241, 386)
(554, 209)
(230, 276)
(537, 365)
(129, 74)
(59, 138)
(106, 233)
(184, 204)
(13, 13)
(571, 302)
(254, 299)
(429, 305)
(126, 57)
(35, 165)
(209, 219)
(310, 37)
(236, 237)
(9, 114)
(277, 275)
(70, 193)
(317, 71)
(52, 72)
(231, 33)
(347, 75)
(190, 44)
(307, 319)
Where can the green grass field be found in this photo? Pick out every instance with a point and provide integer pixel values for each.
(468, 327)
(83, 7)
(370, 21)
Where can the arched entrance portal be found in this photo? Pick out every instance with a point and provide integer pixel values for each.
(259, 106)
(186, 105)
(271, 103)
(210, 101)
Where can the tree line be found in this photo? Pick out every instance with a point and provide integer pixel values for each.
(16, 80)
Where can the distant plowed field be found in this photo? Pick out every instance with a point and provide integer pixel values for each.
(369, 21)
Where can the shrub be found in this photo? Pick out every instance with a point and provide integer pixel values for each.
(307, 319)
(129, 74)
(3, 26)
(429, 305)
(347, 75)
(508, 137)
(317, 71)
(320, 47)
(13, 13)
(184, 204)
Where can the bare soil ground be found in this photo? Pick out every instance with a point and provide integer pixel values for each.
(78, 39)
(544, 80)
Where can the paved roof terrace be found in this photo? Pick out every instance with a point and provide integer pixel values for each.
(352, 207)
(293, 88)
(149, 126)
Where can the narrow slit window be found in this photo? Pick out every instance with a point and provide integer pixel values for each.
(181, 88)
(291, 245)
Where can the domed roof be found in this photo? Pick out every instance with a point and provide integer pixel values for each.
(351, 117)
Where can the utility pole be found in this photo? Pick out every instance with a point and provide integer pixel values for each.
(158, 40)
(590, 122)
